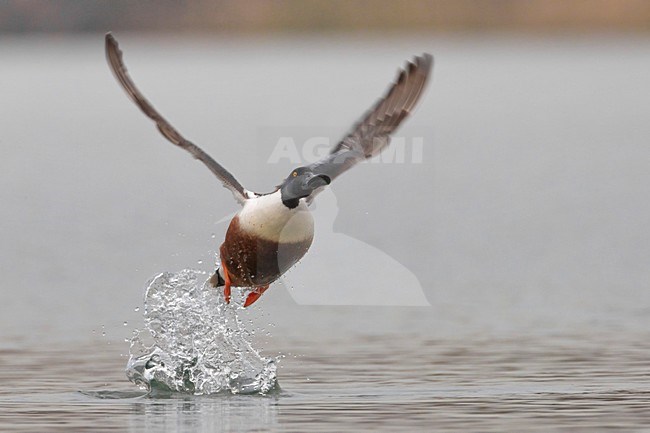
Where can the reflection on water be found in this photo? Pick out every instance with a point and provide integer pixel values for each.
(205, 414)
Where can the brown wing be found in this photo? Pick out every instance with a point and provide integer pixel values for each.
(114, 57)
(371, 134)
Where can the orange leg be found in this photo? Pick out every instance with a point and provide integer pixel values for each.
(255, 295)
(226, 286)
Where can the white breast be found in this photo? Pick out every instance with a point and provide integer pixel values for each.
(269, 218)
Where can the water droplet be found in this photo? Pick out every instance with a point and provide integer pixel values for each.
(213, 236)
(137, 309)
(200, 262)
(126, 323)
(199, 338)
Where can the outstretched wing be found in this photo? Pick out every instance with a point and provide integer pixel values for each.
(371, 134)
(114, 57)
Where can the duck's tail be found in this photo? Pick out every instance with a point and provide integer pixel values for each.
(217, 280)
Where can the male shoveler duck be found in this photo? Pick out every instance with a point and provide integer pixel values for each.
(273, 231)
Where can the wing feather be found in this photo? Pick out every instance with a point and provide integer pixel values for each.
(371, 134)
(114, 57)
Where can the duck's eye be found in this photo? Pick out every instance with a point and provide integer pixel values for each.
(294, 174)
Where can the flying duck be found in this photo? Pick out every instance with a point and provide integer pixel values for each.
(274, 230)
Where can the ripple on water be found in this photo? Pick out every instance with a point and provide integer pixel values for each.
(200, 345)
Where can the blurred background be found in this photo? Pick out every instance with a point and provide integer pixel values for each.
(291, 16)
(528, 212)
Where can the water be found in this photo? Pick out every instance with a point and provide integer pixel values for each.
(525, 224)
(200, 346)
(383, 383)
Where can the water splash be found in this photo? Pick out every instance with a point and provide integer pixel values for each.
(199, 343)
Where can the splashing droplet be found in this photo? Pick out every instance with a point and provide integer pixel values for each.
(200, 344)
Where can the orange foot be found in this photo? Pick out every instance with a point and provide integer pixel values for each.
(255, 295)
(226, 286)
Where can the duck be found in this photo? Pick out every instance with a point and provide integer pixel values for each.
(273, 231)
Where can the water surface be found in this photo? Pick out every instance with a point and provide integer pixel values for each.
(526, 224)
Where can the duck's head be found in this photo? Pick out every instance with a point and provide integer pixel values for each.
(301, 183)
